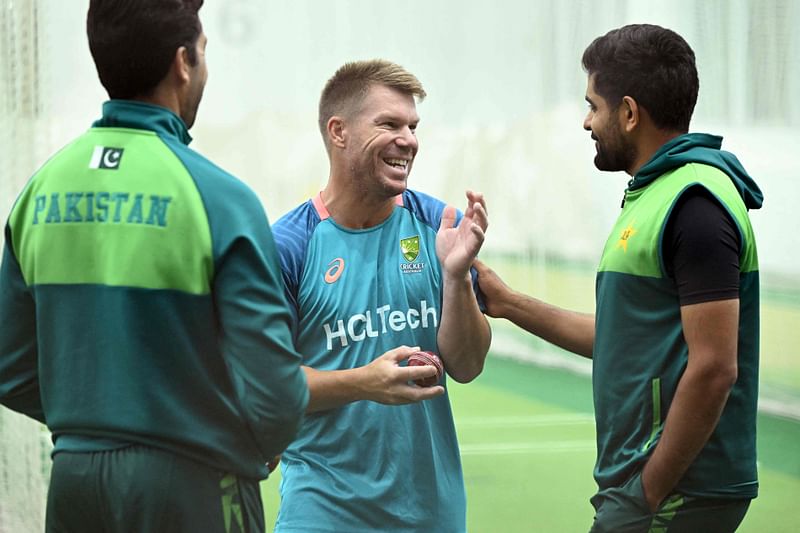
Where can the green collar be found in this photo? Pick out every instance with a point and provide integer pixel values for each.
(142, 116)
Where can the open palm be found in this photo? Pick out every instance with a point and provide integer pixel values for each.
(457, 246)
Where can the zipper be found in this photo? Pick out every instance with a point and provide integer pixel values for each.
(625, 193)
(656, 403)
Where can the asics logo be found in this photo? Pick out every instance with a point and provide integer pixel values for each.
(335, 269)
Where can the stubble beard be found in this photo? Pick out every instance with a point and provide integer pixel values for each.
(616, 155)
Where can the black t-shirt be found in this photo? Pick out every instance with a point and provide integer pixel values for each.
(701, 249)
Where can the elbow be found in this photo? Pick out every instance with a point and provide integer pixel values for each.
(725, 373)
(467, 373)
(719, 378)
(296, 410)
(282, 430)
(728, 377)
(284, 421)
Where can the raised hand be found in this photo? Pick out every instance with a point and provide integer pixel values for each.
(457, 247)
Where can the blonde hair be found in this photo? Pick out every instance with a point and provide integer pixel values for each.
(346, 89)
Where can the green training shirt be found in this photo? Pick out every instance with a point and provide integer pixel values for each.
(142, 301)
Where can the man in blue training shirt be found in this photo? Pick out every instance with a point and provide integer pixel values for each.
(369, 266)
(142, 308)
(674, 339)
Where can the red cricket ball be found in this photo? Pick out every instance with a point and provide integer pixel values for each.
(431, 359)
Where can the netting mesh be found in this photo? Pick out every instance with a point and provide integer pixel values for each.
(24, 444)
(503, 116)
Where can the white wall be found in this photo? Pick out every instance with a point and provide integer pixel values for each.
(503, 114)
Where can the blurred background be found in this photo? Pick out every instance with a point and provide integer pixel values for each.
(503, 115)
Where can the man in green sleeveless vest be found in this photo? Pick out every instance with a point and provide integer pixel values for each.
(141, 303)
(674, 340)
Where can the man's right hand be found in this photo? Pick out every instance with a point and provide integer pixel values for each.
(385, 381)
(495, 291)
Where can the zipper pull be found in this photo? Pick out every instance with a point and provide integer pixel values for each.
(625, 193)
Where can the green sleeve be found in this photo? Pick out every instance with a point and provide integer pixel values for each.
(251, 307)
(19, 375)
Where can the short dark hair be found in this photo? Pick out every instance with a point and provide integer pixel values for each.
(653, 65)
(346, 89)
(133, 42)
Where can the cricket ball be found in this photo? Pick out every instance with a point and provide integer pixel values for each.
(430, 359)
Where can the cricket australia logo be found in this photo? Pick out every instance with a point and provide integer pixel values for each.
(409, 247)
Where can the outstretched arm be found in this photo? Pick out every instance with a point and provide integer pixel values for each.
(570, 330)
(464, 333)
(383, 381)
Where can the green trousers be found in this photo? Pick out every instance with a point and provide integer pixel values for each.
(138, 489)
(624, 510)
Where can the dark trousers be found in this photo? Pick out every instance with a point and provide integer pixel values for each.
(138, 489)
(624, 510)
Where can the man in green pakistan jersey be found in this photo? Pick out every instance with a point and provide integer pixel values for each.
(674, 340)
(142, 304)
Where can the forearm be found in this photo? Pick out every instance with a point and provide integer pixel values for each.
(464, 335)
(569, 330)
(699, 400)
(385, 380)
(333, 388)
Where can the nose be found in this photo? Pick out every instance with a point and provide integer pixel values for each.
(407, 138)
(587, 121)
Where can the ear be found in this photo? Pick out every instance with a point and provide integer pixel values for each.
(630, 114)
(181, 65)
(336, 131)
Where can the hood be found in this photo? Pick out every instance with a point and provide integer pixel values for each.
(699, 148)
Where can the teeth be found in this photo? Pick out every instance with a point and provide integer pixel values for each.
(402, 163)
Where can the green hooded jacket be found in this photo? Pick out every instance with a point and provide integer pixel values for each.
(640, 353)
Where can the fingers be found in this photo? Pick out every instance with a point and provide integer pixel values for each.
(413, 394)
(476, 214)
(480, 216)
(481, 267)
(394, 384)
(413, 373)
(419, 394)
(476, 198)
(448, 218)
(407, 373)
(401, 353)
(479, 234)
(485, 272)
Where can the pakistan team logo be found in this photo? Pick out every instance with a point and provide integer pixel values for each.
(106, 157)
(410, 250)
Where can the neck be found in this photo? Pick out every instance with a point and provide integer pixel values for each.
(354, 208)
(161, 97)
(648, 145)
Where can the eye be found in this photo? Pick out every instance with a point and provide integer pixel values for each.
(413, 128)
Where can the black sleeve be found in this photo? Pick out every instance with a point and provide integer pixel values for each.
(701, 249)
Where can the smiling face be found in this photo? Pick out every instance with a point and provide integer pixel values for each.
(614, 150)
(381, 142)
